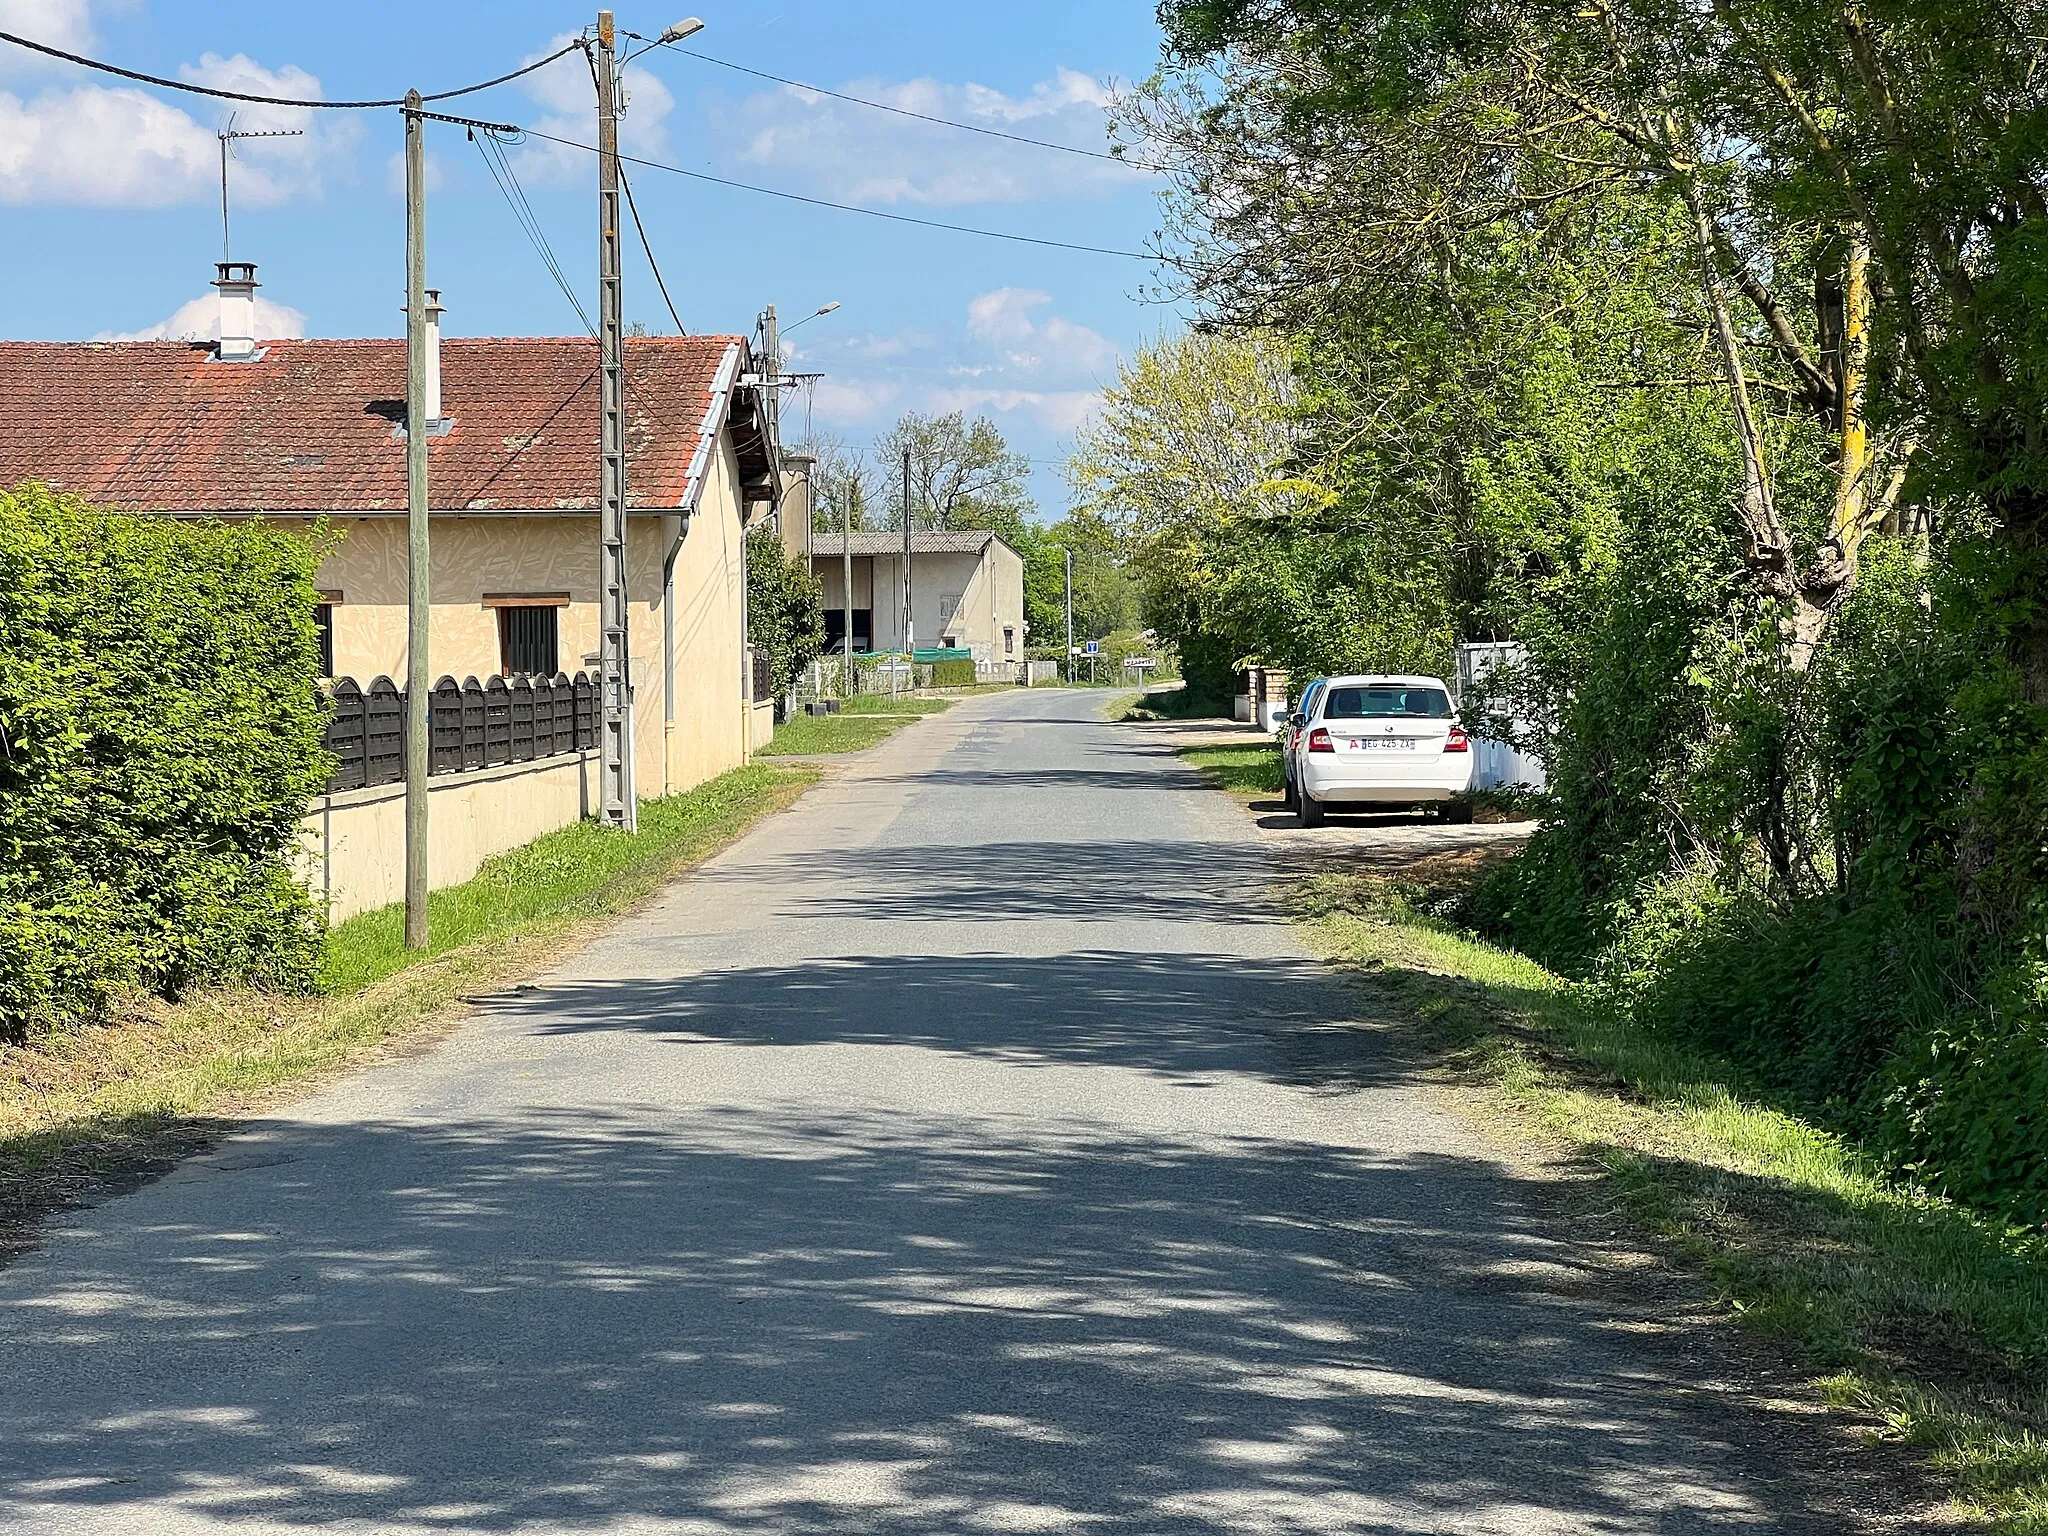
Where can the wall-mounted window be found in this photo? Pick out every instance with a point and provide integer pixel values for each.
(1009, 641)
(323, 621)
(835, 629)
(529, 632)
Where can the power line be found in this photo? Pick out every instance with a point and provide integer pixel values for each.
(272, 101)
(922, 117)
(647, 246)
(528, 221)
(873, 213)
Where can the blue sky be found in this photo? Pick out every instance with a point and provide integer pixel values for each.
(111, 191)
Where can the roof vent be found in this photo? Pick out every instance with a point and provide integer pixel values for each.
(237, 284)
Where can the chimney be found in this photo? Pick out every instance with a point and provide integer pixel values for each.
(435, 415)
(237, 284)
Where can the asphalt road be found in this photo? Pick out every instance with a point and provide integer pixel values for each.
(969, 1150)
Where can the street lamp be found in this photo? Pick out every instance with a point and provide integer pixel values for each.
(822, 309)
(688, 27)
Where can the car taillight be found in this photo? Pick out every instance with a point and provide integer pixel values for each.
(1319, 741)
(1457, 741)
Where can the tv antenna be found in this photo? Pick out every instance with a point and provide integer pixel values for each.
(228, 137)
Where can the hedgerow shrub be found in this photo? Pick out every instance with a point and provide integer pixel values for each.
(159, 740)
(952, 674)
(1836, 881)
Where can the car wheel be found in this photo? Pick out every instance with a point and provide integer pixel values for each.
(1288, 797)
(1311, 809)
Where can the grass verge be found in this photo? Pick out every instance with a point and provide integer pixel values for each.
(91, 1109)
(1246, 769)
(827, 735)
(1925, 1319)
(882, 704)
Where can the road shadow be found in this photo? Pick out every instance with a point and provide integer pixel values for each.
(748, 1321)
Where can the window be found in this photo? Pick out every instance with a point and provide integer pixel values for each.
(1009, 641)
(323, 620)
(528, 642)
(835, 629)
(1388, 702)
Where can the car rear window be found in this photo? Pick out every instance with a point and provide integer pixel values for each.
(1383, 703)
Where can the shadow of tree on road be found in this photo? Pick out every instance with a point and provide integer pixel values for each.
(595, 1317)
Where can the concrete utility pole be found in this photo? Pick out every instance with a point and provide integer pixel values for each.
(619, 804)
(419, 679)
(846, 683)
(1069, 553)
(909, 608)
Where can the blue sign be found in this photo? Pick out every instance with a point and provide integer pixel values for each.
(1094, 646)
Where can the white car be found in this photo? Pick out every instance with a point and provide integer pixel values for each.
(1377, 743)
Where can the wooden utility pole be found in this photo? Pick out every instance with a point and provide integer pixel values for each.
(619, 805)
(419, 680)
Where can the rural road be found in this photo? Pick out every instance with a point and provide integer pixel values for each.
(969, 1150)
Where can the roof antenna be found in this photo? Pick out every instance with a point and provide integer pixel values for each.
(227, 137)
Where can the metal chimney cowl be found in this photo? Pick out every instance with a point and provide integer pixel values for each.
(237, 284)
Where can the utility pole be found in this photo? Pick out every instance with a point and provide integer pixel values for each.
(1068, 551)
(909, 601)
(846, 683)
(419, 680)
(619, 805)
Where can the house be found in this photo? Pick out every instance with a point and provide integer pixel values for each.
(966, 592)
(312, 434)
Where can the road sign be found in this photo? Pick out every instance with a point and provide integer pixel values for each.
(1094, 647)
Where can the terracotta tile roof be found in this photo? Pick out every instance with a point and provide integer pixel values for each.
(879, 541)
(160, 426)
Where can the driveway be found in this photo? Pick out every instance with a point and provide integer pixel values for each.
(971, 1149)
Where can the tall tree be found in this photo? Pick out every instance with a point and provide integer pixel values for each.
(844, 483)
(962, 474)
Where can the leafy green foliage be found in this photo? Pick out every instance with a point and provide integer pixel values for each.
(159, 740)
(1565, 295)
(785, 609)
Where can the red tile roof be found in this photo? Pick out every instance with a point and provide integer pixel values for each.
(160, 426)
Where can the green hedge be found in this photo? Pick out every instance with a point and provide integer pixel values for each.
(953, 674)
(159, 740)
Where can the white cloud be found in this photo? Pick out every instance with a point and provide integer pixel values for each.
(1006, 318)
(200, 321)
(853, 402)
(1058, 411)
(120, 147)
(852, 153)
(63, 24)
(568, 97)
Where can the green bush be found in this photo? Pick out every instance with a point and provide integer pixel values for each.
(953, 674)
(159, 740)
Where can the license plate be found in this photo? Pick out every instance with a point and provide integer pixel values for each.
(1382, 743)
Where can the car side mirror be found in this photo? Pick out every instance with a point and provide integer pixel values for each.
(1297, 721)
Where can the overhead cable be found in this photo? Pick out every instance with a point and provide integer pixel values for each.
(500, 167)
(648, 246)
(922, 117)
(873, 213)
(273, 101)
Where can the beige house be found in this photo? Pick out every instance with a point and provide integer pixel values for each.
(966, 589)
(312, 435)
